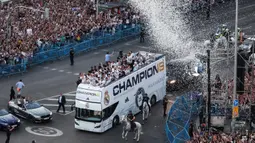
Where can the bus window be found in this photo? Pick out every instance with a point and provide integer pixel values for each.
(88, 115)
(107, 112)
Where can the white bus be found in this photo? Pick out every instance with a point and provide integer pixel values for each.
(100, 108)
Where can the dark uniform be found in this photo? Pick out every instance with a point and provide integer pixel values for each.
(131, 118)
(165, 101)
(8, 134)
(142, 34)
(12, 95)
(191, 130)
(61, 102)
(71, 54)
(146, 100)
(120, 56)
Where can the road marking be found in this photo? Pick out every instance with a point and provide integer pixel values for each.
(44, 131)
(69, 94)
(68, 72)
(76, 73)
(242, 18)
(232, 11)
(46, 98)
(245, 28)
(61, 71)
(105, 50)
(95, 53)
(69, 112)
(55, 99)
(143, 47)
(72, 93)
(54, 105)
(246, 7)
(61, 113)
(53, 69)
(46, 67)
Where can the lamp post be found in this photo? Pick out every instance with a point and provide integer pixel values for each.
(209, 90)
(235, 64)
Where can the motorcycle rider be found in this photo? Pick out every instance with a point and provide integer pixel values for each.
(240, 33)
(131, 119)
(222, 31)
(224, 27)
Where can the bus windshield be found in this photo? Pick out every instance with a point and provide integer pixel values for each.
(88, 115)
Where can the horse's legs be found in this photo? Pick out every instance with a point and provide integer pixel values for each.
(138, 135)
(123, 133)
(126, 135)
(147, 115)
(143, 117)
(135, 135)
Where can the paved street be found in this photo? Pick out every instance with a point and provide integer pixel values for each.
(45, 82)
(51, 102)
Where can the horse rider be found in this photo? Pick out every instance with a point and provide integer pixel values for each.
(131, 119)
(146, 100)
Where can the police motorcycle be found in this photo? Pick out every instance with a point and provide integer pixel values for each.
(222, 30)
(219, 40)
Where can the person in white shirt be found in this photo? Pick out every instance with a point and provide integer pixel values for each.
(108, 56)
(19, 86)
(135, 66)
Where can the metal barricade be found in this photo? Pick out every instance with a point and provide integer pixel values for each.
(12, 69)
(55, 51)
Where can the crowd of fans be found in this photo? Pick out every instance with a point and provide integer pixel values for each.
(201, 136)
(104, 74)
(27, 31)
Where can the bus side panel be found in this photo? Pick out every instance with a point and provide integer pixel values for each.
(158, 87)
(130, 98)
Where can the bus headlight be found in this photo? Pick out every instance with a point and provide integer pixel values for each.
(195, 74)
(172, 81)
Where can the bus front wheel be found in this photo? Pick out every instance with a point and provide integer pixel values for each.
(115, 121)
(153, 100)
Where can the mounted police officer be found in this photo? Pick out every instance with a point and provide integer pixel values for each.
(146, 100)
(131, 119)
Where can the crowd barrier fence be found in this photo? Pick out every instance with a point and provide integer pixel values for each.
(63, 51)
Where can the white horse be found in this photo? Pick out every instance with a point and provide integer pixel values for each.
(127, 128)
(145, 111)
